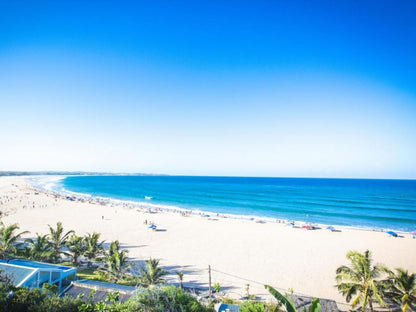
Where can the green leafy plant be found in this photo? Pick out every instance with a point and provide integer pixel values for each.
(401, 289)
(58, 240)
(50, 289)
(362, 280)
(39, 249)
(9, 240)
(152, 273)
(217, 287)
(252, 306)
(93, 247)
(284, 300)
(289, 305)
(76, 246)
(168, 298)
(116, 263)
(180, 276)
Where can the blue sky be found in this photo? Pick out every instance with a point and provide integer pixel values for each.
(251, 88)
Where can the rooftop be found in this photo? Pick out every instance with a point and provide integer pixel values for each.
(33, 274)
(38, 265)
(105, 285)
(17, 274)
(102, 289)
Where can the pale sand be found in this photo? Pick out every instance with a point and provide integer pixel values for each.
(270, 253)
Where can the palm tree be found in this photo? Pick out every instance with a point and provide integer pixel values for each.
(116, 263)
(361, 279)
(152, 274)
(402, 289)
(76, 246)
(58, 240)
(180, 276)
(39, 249)
(287, 302)
(93, 248)
(9, 239)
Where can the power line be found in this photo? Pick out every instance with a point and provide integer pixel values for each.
(262, 284)
(253, 281)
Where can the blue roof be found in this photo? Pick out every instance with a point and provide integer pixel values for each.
(39, 265)
(16, 273)
(32, 273)
(230, 307)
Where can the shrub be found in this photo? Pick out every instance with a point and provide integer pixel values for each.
(252, 306)
(168, 298)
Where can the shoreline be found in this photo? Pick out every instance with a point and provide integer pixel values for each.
(175, 209)
(249, 252)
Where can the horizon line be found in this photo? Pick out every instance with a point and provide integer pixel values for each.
(109, 173)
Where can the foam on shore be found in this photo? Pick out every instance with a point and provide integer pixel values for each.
(52, 184)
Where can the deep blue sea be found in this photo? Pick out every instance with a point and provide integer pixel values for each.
(383, 204)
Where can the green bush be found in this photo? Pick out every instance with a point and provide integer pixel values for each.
(168, 298)
(34, 300)
(159, 299)
(255, 306)
(252, 306)
(217, 287)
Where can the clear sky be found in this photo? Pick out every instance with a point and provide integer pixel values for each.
(246, 88)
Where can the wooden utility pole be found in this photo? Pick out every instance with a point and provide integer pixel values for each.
(209, 276)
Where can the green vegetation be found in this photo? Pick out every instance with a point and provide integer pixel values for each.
(288, 304)
(152, 273)
(93, 247)
(167, 298)
(362, 283)
(39, 249)
(76, 246)
(402, 289)
(253, 306)
(58, 241)
(9, 240)
(180, 277)
(116, 263)
(362, 280)
(90, 274)
(35, 300)
(375, 283)
(217, 287)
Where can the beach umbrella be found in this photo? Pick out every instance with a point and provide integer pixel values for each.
(392, 233)
(413, 233)
(152, 226)
(330, 228)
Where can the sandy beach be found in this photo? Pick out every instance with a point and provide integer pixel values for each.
(248, 252)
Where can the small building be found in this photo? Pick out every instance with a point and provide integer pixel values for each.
(33, 274)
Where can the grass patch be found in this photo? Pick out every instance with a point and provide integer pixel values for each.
(67, 263)
(90, 274)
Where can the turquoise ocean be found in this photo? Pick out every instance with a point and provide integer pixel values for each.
(361, 203)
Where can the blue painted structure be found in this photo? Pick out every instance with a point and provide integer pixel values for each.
(33, 274)
(225, 307)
